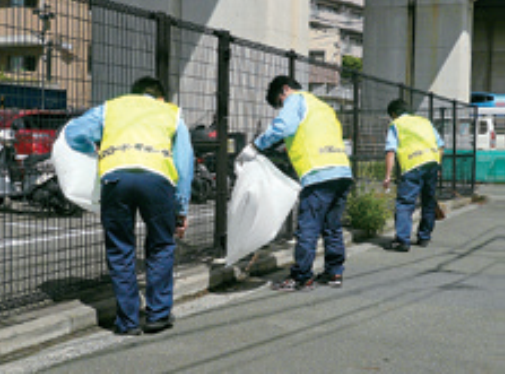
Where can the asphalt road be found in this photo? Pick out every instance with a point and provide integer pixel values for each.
(433, 310)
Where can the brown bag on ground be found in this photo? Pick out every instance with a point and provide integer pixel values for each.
(439, 212)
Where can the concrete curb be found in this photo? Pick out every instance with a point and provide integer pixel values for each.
(69, 317)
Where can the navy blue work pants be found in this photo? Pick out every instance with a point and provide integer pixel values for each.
(420, 181)
(124, 193)
(320, 214)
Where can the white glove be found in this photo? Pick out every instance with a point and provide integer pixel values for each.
(249, 153)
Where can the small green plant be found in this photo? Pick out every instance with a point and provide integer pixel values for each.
(368, 210)
(353, 63)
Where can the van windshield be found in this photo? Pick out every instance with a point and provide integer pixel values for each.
(499, 125)
(463, 126)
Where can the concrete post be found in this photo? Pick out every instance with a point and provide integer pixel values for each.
(421, 43)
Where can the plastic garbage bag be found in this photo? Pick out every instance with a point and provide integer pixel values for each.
(261, 200)
(77, 174)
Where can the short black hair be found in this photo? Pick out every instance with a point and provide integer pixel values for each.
(275, 89)
(148, 85)
(397, 107)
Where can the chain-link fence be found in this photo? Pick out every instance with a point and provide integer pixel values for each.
(68, 56)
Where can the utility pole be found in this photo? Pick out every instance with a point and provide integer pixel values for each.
(45, 15)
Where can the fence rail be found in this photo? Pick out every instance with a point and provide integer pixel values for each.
(93, 50)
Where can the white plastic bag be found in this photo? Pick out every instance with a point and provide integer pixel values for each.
(261, 200)
(77, 174)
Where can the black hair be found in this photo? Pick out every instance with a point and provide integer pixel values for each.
(148, 85)
(397, 107)
(275, 89)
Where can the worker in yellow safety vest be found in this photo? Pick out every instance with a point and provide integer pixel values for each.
(313, 138)
(146, 166)
(417, 146)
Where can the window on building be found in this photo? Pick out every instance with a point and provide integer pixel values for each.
(24, 3)
(21, 63)
(316, 55)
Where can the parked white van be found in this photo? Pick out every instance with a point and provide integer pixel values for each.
(490, 129)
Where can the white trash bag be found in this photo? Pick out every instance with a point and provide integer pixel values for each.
(261, 200)
(77, 174)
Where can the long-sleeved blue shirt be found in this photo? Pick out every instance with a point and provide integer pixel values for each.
(392, 138)
(286, 124)
(84, 132)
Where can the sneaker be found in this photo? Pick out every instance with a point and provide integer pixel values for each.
(132, 332)
(290, 284)
(397, 246)
(159, 325)
(423, 242)
(335, 280)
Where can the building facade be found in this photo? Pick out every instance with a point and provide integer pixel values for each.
(336, 30)
(46, 44)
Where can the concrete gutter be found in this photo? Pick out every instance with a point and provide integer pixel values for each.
(29, 330)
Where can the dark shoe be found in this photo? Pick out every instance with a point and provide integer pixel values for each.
(132, 332)
(397, 246)
(159, 325)
(422, 242)
(292, 285)
(335, 280)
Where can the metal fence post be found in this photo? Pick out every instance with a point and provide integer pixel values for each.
(442, 131)
(430, 107)
(401, 91)
(474, 148)
(290, 227)
(454, 144)
(163, 37)
(223, 96)
(355, 123)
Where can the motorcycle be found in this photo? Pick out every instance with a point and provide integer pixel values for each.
(32, 179)
(203, 184)
(204, 139)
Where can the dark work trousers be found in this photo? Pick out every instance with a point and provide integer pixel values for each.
(320, 214)
(125, 192)
(420, 181)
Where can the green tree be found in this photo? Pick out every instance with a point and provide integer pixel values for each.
(352, 63)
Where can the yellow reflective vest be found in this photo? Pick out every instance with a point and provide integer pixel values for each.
(317, 144)
(137, 134)
(417, 144)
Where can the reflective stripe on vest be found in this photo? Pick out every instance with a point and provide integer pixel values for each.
(317, 144)
(417, 144)
(137, 134)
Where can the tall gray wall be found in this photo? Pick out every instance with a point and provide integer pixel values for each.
(488, 59)
(281, 23)
(421, 43)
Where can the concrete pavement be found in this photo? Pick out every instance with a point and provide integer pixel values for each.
(29, 330)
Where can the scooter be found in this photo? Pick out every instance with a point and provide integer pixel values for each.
(204, 139)
(32, 179)
(203, 183)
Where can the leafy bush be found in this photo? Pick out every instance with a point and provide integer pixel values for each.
(367, 210)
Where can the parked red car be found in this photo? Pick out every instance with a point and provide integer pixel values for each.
(34, 129)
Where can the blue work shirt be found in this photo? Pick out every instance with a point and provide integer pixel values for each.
(286, 124)
(84, 132)
(392, 138)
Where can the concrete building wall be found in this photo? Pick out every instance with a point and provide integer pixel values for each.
(421, 43)
(488, 49)
(66, 41)
(172, 7)
(336, 28)
(281, 23)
